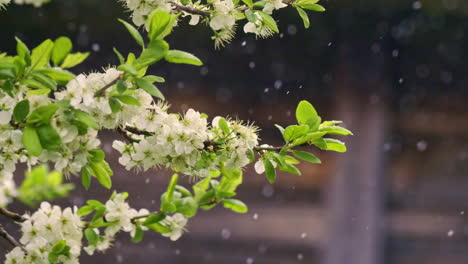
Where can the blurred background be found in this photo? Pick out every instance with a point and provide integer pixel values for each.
(394, 70)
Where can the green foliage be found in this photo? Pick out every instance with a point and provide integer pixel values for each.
(178, 56)
(41, 185)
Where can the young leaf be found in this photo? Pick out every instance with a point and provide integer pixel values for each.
(21, 111)
(134, 33)
(306, 156)
(154, 218)
(138, 235)
(31, 142)
(269, 21)
(23, 51)
(149, 88)
(41, 54)
(49, 137)
(127, 99)
(85, 178)
(91, 236)
(86, 119)
(62, 77)
(74, 59)
(304, 16)
(178, 56)
(335, 145)
(156, 50)
(313, 7)
(269, 170)
(235, 205)
(160, 24)
(43, 114)
(223, 124)
(294, 131)
(101, 174)
(335, 130)
(304, 112)
(62, 47)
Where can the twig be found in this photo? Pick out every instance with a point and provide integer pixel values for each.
(9, 238)
(16, 217)
(101, 91)
(189, 9)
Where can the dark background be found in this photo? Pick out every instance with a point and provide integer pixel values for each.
(394, 70)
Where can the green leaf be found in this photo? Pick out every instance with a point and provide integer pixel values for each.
(335, 145)
(269, 21)
(269, 170)
(62, 47)
(231, 179)
(291, 169)
(31, 142)
(178, 56)
(313, 7)
(21, 111)
(156, 50)
(304, 16)
(235, 205)
(335, 130)
(45, 80)
(91, 236)
(294, 131)
(121, 86)
(154, 218)
(127, 99)
(223, 124)
(128, 69)
(138, 235)
(306, 156)
(249, 3)
(153, 79)
(62, 77)
(85, 210)
(49, 137)
(149, 88)
(186, 206)
(119, 55)
(41, 54)
(115, 105)
(85, 178)
(86, 119)
(101, 174)
(97, 155)
(160, 24)
(8, 87)
(308, 137)
(304, 112)
(74, 59)
(23, 51)
(43, 114)
(159, 228)
(171, 186)
(134, 32)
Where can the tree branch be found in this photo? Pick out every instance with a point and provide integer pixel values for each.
(16, 217)
(9, 238)
(101, 91)
(189, 9)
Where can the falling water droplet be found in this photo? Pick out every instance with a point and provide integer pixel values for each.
(249, 261)
(421, 145)
(255, 216)
(244, 43)
(450, 233)
(225, 234)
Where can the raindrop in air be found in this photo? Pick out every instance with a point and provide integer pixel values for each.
(225, 234)
(251, 65)
(421, 145)
(450, 233)
(303, 235)
(244, 43)
(95, 47)
(300, 256)
(417, 5)
(255, 216)
(249, 261)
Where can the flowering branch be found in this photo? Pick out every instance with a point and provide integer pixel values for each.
(189, 9)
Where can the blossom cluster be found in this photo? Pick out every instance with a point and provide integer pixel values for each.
(188, 144)
(43, 230)
(222, 15)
